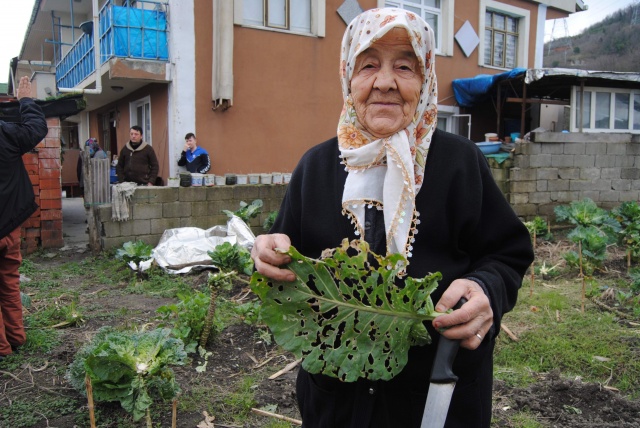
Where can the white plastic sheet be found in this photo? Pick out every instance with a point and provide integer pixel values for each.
(182, 249)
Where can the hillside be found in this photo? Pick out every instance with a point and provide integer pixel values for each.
(609, 45)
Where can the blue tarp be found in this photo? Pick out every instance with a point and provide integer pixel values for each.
(473, 90)
(140, 33)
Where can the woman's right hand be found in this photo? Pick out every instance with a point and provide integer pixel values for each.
(267, 260)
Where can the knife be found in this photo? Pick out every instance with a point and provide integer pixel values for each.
(443, 381)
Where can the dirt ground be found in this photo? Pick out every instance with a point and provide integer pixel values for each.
(238, 350)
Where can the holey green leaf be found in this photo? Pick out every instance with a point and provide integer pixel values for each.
(345, 315)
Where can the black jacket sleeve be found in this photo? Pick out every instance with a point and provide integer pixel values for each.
(24, 136)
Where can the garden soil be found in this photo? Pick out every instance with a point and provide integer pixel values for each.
(239, 351)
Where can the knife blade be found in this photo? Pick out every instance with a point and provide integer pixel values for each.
(442, 381)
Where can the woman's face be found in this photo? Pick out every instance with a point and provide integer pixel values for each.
(386, 84)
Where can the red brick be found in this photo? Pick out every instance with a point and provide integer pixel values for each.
(51, 224)
(49, 184)
(30, 158)
(32, 222)
(50, 164)
(52, 142)
(46, 153)
(35, 179)
(49, 173)
(48, 235)
(51, 215)
(53, 123)
(53, 243)
(51, 193)
(51, 204)
(31, 232)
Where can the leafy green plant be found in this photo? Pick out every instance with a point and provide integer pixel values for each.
(231, 259)
(586, 213)
(270, 220)
(136, 252)
(634, 274)
(539, 228)
(129, 367)
(347, 317)
(186, 318)
(628, 215)
(247, 211)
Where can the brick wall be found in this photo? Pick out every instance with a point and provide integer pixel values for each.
(44, 227)
(155, 209)
(558, 168)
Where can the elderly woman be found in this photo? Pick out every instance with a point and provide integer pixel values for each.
(392, 178)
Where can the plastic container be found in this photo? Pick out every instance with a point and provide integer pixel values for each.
(173, 181)
(265, 178)
(185, 179)
(254, 178)
(490, 136)
(209, 180)
(489, 147)
(515, 136)
(241, 179)
(286, 177)
(276, 177)
(197, 179)
(230, 179)
(220, 180)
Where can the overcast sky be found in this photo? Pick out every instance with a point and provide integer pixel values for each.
(15, 15)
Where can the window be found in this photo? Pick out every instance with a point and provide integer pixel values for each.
(505, 35)
(437, 13)
(606, 110)
(292, 16)
(141, 116)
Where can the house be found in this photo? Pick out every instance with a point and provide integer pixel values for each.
(257, 88)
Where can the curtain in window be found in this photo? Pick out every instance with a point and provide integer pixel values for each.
(222, 70)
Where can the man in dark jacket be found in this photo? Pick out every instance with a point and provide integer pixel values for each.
(137, 161)
(16, 193)
(194, 158)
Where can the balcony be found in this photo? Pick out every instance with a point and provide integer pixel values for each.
(124, 32)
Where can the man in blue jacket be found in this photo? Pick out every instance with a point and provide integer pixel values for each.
(194, 158)
(18, 198)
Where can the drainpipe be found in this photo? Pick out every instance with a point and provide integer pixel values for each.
(96, 52)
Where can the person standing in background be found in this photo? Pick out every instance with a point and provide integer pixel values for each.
(194, 158)
(137, 161)
(95, 152)
(19, 203)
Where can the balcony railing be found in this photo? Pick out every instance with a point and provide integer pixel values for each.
(124, 32)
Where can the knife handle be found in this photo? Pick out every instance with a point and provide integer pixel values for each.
(441, 371)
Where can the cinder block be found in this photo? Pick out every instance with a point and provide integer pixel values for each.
(147, 211)
(200, 209)
(562, 161)
(540, 161)
(631, 195)
(609, 196)
(604, 161)
(176, 209)
(540, 197)
(630, 173)
(246, 193)
(113, 243)
(520, 174)
(616, 148)
(159, 225)
(219, 193)
(584, 161)
(191, 194)
(574, 148)
(546, 174)
(558, 185)
(523, 187)
(569, 173)
(111, 229)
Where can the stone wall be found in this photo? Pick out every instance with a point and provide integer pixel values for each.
(155, 209)
(558, 168)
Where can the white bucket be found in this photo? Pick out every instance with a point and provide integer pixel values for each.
(173, 182)
(241, 179)
(286, 177)
(490, 136)
(276, 177)
(209, 179)
(265, 178)
(221, 180)
(196, 179)
(254, 178)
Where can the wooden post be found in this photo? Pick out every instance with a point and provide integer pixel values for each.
(174, 413)
(92, 416)
(89, 199)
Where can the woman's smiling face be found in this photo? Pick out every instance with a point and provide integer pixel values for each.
(386, 84)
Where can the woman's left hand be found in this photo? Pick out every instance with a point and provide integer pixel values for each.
(472, 321)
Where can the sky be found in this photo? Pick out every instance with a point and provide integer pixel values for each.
(15, 15)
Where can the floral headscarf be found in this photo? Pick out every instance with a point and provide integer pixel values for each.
(387, 173)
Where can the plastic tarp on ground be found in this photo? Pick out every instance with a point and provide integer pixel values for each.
(139, 33)
(182, 249)
(473, 90)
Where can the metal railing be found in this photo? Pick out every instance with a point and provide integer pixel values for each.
(139, 32)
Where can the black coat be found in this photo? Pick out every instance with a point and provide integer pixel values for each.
(16, 191)
(467, 229)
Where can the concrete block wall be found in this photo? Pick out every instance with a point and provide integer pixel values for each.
(44, 227)
(556, 169)
(156, 209)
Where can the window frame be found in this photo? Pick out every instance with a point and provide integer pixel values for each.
(524, 27)
(318, 25)
(445, 33)
(146, 125)
(634, 96)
